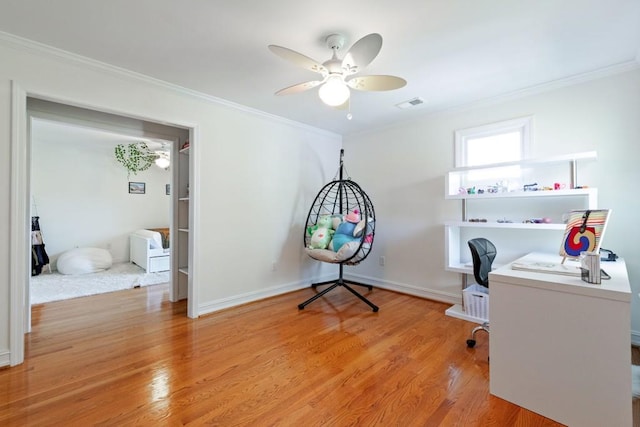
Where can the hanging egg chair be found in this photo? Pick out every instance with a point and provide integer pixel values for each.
(340, 229)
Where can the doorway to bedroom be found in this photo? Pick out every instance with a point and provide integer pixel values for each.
(88, 205)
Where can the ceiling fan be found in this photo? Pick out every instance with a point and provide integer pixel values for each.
(338, 75)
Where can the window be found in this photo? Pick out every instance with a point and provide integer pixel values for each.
(493, 143)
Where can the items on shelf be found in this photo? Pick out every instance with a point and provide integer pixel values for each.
(504, 188)
(544, 220)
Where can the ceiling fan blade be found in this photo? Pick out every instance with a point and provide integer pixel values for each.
(376, 83)
(362, 53)
(300, 87)
(298, 59)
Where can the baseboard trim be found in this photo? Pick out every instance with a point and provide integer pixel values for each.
(404, 288)
(5, 358)
(236, 300)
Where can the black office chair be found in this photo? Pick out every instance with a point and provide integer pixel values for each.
(483, 252)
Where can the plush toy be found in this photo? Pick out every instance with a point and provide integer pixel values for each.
(321, 234)
(366, 229)
(325, 221)
(344, 232)
(321, 238)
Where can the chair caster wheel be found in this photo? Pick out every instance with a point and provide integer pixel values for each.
(471, 343)
(300, 307)
(375, 310)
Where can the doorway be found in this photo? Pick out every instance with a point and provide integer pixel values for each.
(26, 108)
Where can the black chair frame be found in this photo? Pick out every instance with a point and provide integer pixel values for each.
(337, 197)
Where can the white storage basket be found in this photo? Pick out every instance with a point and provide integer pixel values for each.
(476, 301)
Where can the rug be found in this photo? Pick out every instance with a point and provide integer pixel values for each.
(48, 287)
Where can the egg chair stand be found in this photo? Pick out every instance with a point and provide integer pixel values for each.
(334, 284)
(334, 200)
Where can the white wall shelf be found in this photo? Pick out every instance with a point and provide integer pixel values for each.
(458, 312)
(505, 225)
(517, 237)
(455, 249)
(565, 158)
(590, 192)
(544, 172)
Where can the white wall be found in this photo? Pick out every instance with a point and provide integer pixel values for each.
(255, 175)
(80, 192)
(403, 170)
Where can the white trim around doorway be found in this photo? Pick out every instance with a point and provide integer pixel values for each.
(19, 259)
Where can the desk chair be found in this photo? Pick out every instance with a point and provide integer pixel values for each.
(483, 252)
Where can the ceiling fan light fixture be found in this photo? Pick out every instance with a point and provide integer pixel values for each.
(334, 92)
(338, 75)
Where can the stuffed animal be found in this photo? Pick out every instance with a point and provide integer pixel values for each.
(367, 229)
(345, 231)
(325, 221)
(321, 234)
(321, 238)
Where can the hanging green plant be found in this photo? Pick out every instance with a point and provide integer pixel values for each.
(135, 157)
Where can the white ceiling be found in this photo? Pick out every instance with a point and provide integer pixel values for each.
(451, 52)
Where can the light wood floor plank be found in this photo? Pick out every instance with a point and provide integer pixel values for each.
(133, 358)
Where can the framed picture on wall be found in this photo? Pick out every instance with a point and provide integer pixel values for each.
(137, 187)
(167, 189)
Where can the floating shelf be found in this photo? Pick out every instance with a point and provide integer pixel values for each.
(506, 225)
(591, 192)
(458, 312)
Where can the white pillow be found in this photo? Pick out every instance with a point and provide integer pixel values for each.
(84, 260)
(156, 238)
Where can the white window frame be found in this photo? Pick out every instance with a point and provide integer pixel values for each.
(523, 125)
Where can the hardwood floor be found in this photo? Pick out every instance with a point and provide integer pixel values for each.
(133, 358)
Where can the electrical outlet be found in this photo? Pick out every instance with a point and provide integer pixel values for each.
(381, 261)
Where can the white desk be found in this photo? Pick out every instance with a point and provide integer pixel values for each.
(561, 347)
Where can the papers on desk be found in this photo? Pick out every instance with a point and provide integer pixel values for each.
(547, 267)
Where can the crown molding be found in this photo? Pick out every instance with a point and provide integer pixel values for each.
(38, 48)
(549, 86)
(41, 49)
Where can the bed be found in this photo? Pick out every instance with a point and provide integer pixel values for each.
(149, 249)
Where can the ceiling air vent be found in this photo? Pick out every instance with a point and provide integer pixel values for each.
(410, 103)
